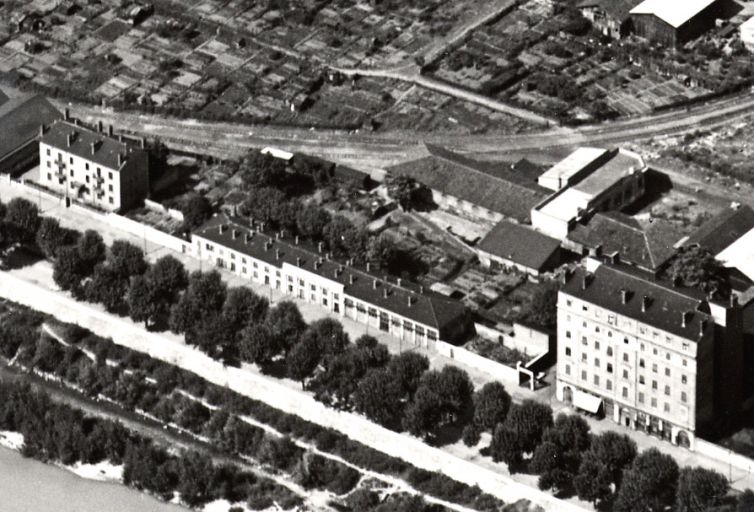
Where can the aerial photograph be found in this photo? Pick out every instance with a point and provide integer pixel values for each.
(377, 255)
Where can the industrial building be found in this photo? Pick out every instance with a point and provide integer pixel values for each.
(20, 119)
(647, 354)
(92, 166)
(673, 23)
(611, 17)
(588, 181)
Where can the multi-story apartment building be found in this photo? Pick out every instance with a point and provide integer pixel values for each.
(647, 354)
(408, 312)
(92, 166)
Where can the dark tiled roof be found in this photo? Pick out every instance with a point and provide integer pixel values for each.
(619, 9)
(723, 229)
(502, 189)
(648, 247)
(426, 307)
(667, 304)
(107, 148)
(3, 97)
(20, 119)
(350, 175)
(519, 244)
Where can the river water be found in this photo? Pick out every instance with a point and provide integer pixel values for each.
(27, 485)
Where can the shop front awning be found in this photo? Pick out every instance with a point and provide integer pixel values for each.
(587, 401)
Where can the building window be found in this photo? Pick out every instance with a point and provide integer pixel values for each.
(49, 164)
(70, 160)
(667, 372)
(71, 173)
(596, 328)
(684, 362)
(641, 363)
(609, 367)
(48, 151)
(568, 301)
(667, 407)
(641, 397)
(583, 358)
(684, 397)
(625, 374)
(625, 357)
(609, 351)
(584, 308)
(583, 374)
(583, 340)
(110, 199)
(654, 367)
(683, 379)
(597, 345)
(609, 385)
(667, 356)
(654, 402)
(109, 175)
(86, 166)
(568, 334)
(641, 379)
(313, 287)
(596, 380)
(597, 362)
(625, 392)
(654, 351)
(568, 351)
(667, 390)
(654, 384)
(625, 340)
(49, 177)
(110, 188)
(568, 369)
(232, 256)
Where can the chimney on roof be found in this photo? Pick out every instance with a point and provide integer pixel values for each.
(702, 327)
(350, 279)
(267, 245)
(399, 281)
(143, 143)
(319, 247)
(109, 130)
(99, 126)
(298, 261)
(247, 238)
(41, 130)
(374, 284)
(94, 147)
(327, 256)
(221, 228)
(317, 263)
(234, 234)
(369, 267)
(624, 296)
(410, 301)
(733, 301)
(69, 140)
(76, 121)
(277, 235)
(585, 282)
(296, 239)
(66, 114)
(120, 137)
(645, 303)
(277, 254)
(384, 293)
(685, 318)
(421, 290)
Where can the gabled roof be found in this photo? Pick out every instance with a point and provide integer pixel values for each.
(673, 12)
(501, 188)
(520, 244)
(665, 307)
(646, 247)
(83, 138)
(427, 308)
(20, 119)
(722, 230)
(618, 9)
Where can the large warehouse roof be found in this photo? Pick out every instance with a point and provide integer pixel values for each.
(673, 12)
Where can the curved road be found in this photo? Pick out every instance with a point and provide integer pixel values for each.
(390, 147)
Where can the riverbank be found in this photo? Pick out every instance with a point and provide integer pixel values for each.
(28, 485)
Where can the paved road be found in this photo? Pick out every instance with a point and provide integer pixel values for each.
(42, 274)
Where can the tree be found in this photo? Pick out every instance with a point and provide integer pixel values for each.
(203, 298)
(424, 413)
(69, 269)
(311, 221)
(264, 205)
(403, 190)
(286, 324)
(522, 431)
(700, 489)
(51, 237)
(91, 249)
(491, 404)
(442, 397)
(407, 369)
(382, 251)
(649, 484)
(262, 170)
(259, 344)
(196, 211)
(542, 307)
(126, 260)
(302, 360)
(378, 397)
(107, 287)
(602, 466)
(141, 299)
(243, 307)
(696, 267)
(558, 458)
(344, 239)
(213, 335)
(23, 216)
(329, 336)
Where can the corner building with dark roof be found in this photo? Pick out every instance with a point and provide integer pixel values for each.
(648, 355)
(91, 166)
(416, 316)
